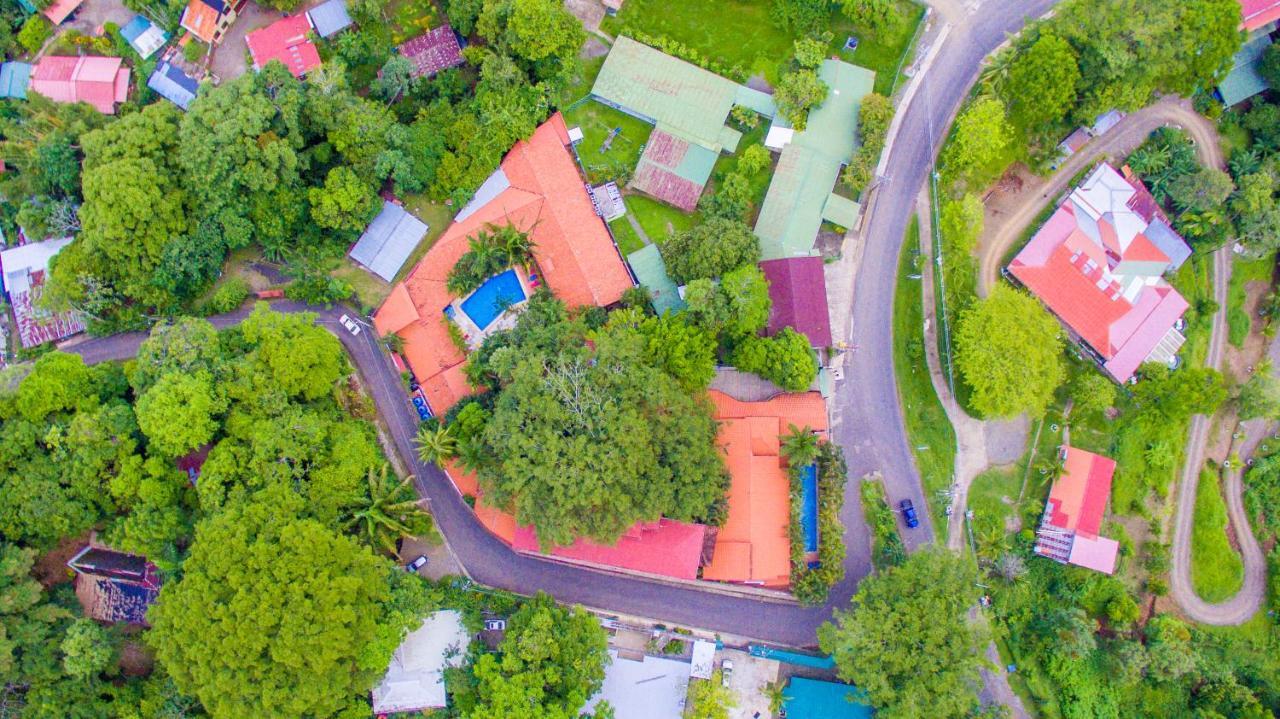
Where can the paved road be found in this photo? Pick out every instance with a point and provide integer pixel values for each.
(1120, 140)
(1246, 602)
(867, 400)
(867, 403)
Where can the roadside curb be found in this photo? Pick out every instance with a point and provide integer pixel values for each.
(908, 95)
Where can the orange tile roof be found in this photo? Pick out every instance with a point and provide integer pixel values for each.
(572, 247)
(497, 521)
(201, 20)
(754, 544)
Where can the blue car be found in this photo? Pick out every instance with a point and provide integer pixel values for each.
(420, 404)
(909, 514)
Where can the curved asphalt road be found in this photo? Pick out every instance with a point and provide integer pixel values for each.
(870, 430)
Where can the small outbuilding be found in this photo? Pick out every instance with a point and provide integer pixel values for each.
(330, 18)
(653, 688)
(414, 681)
(172, 83)
(287, 40)
(437, 50)
(15, 77)
(144, 36)
(388, 241)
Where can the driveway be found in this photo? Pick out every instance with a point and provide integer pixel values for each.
(231, 58)
(93, 14)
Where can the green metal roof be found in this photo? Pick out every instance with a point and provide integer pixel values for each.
(841, 211)
(652, 272)
(666, 91)
(1243, 82)
(797, 200)
(752, 99)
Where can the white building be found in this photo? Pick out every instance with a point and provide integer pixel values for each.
(415, 679)
(650, 689)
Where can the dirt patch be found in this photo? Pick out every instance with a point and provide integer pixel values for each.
(93, 14)
(231, 58)
(136, 659)
(51, 567)
(590, 12)
(594, 47)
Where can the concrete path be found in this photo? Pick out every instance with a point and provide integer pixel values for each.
(1002, 231)
(635, 225)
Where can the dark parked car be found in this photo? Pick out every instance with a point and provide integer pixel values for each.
(909, 514)
(416, 564)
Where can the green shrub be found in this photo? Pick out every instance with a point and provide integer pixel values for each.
(35, 31)
(227, 298)
(887, 549)
(812, 585)
(784, 359)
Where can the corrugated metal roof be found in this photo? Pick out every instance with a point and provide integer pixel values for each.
(651, 271)
(14, 79)
(1243, 82)
(174, 85)
(330, 18)
(143, 36)
(389, 240)
(841, 211)
(666, 90)
(793, 208)
(812, 699)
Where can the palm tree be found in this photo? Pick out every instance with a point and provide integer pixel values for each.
(516, 245)
(391, 511)
(800, 446)
(436, 443)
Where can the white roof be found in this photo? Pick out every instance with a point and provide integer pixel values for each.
(575, 134)
(19, 262)
(1105, 194)
(388, 241)
(778, 136)
(704, 659)
(650, 689)
(415, 679)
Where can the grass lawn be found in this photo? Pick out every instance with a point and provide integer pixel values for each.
(625, 235)
(411, 18)
(659, 221)
(727, 164)
(1216, 570)
(1243, 272)
(597, 121)
(581, 89)
(237, 266)
(987, 497)
(740, 34)
(932, 439)
(1195, 282)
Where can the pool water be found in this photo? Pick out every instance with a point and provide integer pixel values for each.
(809, 507)
(491, 298)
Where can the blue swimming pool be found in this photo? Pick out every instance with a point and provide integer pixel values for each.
(809, 507)
(491, 298)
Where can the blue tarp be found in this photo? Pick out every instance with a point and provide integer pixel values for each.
(789, 657)
(812, 699)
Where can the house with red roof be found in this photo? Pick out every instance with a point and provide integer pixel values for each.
(1258, 14)
(1099, 265)
(1073, 515)
(99, 81)
(287, 40)
(538, 190)
(798, 290)
(59, 10)
(209, 20)
(754, 545)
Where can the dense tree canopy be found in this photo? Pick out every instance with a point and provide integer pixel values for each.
(907, 640)
(1009, 350)
(589, 436)
(271, 616)
(1041, 87)
(710, 249)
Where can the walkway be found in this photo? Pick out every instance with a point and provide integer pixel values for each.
(1002, 231)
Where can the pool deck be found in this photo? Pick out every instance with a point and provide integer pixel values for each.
(505, 321)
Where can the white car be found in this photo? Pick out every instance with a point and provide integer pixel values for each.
(350, 324)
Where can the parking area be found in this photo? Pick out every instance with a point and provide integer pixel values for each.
(231, 58)
(750, 682)
(440, 560)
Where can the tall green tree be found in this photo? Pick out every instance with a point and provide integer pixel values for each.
(710, 249)
(786, 359)
(550, 662)
(1009, 350)
(1041, 85)
(270, 616)
(178, 413)
(302, 359)
(345, 202)
(907, 640)
(978, 142)
(391, 512)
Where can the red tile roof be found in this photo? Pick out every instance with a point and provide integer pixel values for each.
(1257, 13)
(435, 51)
(1078, 499)
(60, 10)
(667, 548)
(1076, 265)
(754, 545)
(572, 248)
(99, 81)
(285, 40)
(798, 289)
(201, 18)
